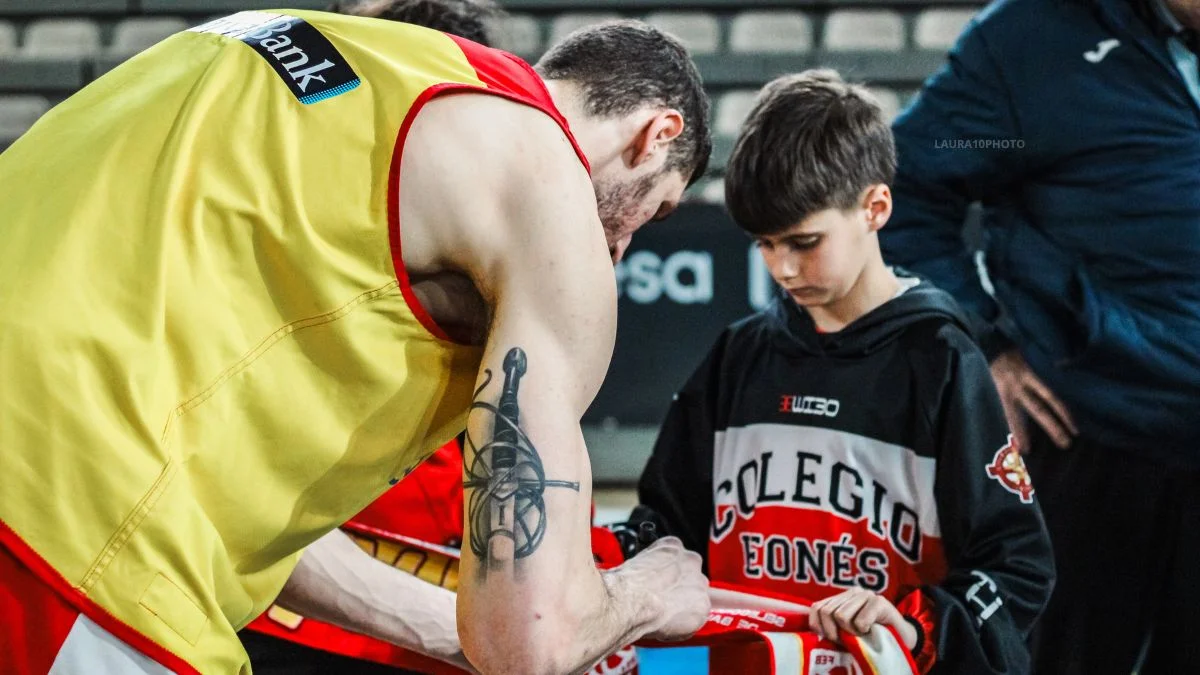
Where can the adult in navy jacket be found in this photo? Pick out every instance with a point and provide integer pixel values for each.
(1076, 124)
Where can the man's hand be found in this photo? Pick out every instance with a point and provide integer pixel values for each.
(1022, 393)
(855, 611)
(668, 577)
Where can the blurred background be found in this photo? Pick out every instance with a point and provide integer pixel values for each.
(692, 274)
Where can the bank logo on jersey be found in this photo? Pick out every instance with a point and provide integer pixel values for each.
(306, 61)
(1008, 468)
(809, 405)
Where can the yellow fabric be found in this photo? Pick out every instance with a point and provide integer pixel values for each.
(206, 361)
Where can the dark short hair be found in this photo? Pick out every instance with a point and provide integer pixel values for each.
(811, 142)
(625, 65)
(465, 18)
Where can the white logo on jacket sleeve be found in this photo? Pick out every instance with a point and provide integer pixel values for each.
(1008, 468)
(1102, 49)
(983, 597)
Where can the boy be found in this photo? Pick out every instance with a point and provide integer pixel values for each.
(846, 446)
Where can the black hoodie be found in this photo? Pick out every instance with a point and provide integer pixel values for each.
(805, 463)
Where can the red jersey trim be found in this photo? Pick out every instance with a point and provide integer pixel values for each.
(920, 608)
(503, 72)
(23, 552)
(37, 620)
(410, 297)
(400, 538)
(505, 76)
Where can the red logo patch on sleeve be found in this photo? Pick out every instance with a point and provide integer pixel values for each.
(1008, 468)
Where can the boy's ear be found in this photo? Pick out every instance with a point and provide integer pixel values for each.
(877, 202)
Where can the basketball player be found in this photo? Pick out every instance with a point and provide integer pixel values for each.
(253, 275)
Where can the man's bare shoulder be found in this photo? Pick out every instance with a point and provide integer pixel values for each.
(490, 172)
(494, 137)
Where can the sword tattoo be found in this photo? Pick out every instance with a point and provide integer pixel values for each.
(507, 509)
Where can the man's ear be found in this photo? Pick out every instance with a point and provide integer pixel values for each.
(655, 136)
(877, 202)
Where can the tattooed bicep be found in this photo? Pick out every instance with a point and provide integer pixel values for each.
(506, 508)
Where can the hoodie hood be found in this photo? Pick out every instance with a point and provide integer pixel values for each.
(794, 331)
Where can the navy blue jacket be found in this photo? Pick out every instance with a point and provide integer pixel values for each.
(1086, 158)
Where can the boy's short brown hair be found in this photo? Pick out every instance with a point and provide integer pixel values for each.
(811, 142)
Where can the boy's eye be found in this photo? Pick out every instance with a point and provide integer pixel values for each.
(806, 243)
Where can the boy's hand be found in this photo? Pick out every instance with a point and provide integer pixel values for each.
(1022, 393)
(856, 610)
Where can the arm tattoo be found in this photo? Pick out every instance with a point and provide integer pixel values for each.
(506, 508)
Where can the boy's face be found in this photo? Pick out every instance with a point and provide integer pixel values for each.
(819, 260)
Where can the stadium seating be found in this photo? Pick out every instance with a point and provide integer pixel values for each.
(565, 24)
(63, 7)
(711, 191)
(889, 101)
(50, 48)
(732, 108)
(8, 39)
(939, 28)
(133, 35)
(700, 32)
(518, 33)
(207, 7)
(767, 32)
(61, 38)
(17, 114)
(864, 30)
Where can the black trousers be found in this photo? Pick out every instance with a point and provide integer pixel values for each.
(1126, 536)
(272, 656)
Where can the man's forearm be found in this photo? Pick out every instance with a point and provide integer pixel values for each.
(337, 582)
(557, 622)
(625, 616)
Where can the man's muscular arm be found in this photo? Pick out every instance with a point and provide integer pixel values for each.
(339, 583)
(511, 206)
